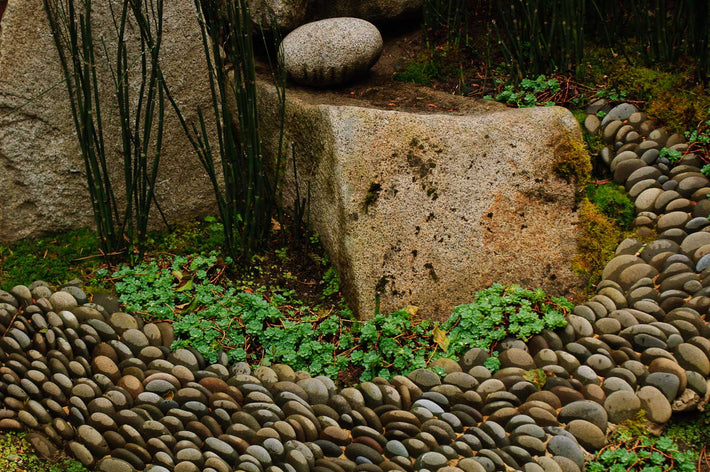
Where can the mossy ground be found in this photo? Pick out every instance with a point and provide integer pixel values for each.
(17, 455)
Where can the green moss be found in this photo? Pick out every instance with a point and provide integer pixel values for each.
(17, 455)
(580, 116)
(672, 94)
(572, 161)
(613, 202)
(598, 238)
(54, 259)
(418, 72)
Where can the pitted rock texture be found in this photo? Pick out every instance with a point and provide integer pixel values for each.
(425, 209)
(42, 178)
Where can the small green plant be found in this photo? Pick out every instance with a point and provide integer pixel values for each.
(331, 279)
(613, 202)
(601, 114)
(699, 140)
(17, 455)
(211, 314)
(418, 72)
(643, 454)
(529, 92)
(499, 312)
(705, 170)
(54, 259)
(692, 430)
(673, 155)
(613, 95)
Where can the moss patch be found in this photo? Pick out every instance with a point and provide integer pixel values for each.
(674, 96)
(17, 455)
(597, 242)
(572, 161)
(613, 202)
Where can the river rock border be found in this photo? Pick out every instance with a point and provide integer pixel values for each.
(86, 375)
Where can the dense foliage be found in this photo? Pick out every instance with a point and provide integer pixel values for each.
(212, 317)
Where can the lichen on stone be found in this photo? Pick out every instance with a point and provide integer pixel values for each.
(572, 161)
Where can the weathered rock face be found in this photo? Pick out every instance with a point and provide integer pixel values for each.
(42, 183)
(290, 14)
(285, 15)
(426, 209)
(330, 52)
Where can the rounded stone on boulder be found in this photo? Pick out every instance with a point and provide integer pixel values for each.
(331, 51)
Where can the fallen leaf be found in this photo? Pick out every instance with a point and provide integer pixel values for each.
(186, 286)
(441, 339)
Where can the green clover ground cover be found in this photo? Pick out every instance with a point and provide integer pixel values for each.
(211, 314)
(644, 454)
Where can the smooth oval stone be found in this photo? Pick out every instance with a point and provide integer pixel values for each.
(566, 447)
(585, 410)
(62, 301)
(587, 434)
(622, 405)
(331, 51)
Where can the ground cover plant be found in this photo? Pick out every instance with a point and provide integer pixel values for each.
(267, 325)
(633, 448)
(14, 457)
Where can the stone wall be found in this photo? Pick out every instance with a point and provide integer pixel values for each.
(42, 177)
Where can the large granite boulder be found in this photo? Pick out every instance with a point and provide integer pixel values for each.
(425, 209)
(330, 52)
(42, 183)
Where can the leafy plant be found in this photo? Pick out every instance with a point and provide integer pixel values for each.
(530, 92)
(613, 95)
(499, 312)
(699, 140)
(692, 431)
(673, 155)
(642, 454)
(213, 315)
(613, 202)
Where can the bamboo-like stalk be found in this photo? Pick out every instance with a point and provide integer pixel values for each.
(246, 192)
(125, 227)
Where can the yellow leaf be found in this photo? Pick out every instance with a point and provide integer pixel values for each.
(177, 274)
(186, 286)
(411, 309)
(441, 339)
